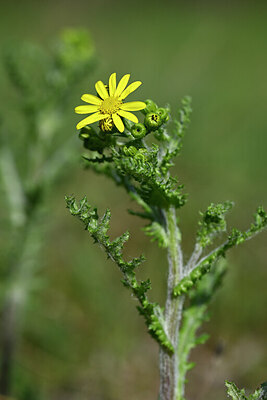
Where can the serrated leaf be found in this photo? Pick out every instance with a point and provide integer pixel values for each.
(234, 392)
(213, 222)
(98, 228)
(158, 233)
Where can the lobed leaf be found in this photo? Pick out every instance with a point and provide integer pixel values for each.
(98, 228)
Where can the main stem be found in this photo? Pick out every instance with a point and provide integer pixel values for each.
(173, 311)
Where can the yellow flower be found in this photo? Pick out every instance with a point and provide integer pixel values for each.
(108, 107)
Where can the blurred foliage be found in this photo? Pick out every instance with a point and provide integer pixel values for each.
(33, 156)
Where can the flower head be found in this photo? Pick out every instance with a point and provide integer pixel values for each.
(108, 106)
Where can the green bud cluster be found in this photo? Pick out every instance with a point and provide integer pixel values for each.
(155, 117)
(142, 165)
(135, 164)
(140, 154)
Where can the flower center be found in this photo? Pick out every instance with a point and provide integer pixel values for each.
(110, 105)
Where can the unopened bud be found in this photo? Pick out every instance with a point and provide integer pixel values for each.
(150, 107)
(138, 131)
(153, 121)
(164, 114)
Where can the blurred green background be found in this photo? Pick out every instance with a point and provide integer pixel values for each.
(82, 337)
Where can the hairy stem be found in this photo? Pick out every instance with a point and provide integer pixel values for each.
(173, 311)
(194, 258)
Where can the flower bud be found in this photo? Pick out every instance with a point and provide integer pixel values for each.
(86, 132)
(153, 121)
(92, 141)
(138, 131)
(164, 114)
(150, 107)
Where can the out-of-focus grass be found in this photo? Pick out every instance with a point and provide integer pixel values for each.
(79, 346)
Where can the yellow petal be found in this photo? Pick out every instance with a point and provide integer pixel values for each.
(92, 118)
(91, 99)
(101, 90)
(128, 115)
(131, 88)
(133, 106)
(112, 84)
(86, 109)
(118, 122)
(122, 84)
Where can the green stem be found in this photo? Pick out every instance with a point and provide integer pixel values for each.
(173, 311)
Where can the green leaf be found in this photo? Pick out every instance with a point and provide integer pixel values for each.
(98, 228)
(193, 317)
(235, 238)
(158, 233)
(213, 222)
(234, 392)
(239, 394)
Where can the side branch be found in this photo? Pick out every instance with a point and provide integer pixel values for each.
(204, 265)
(98, 229)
